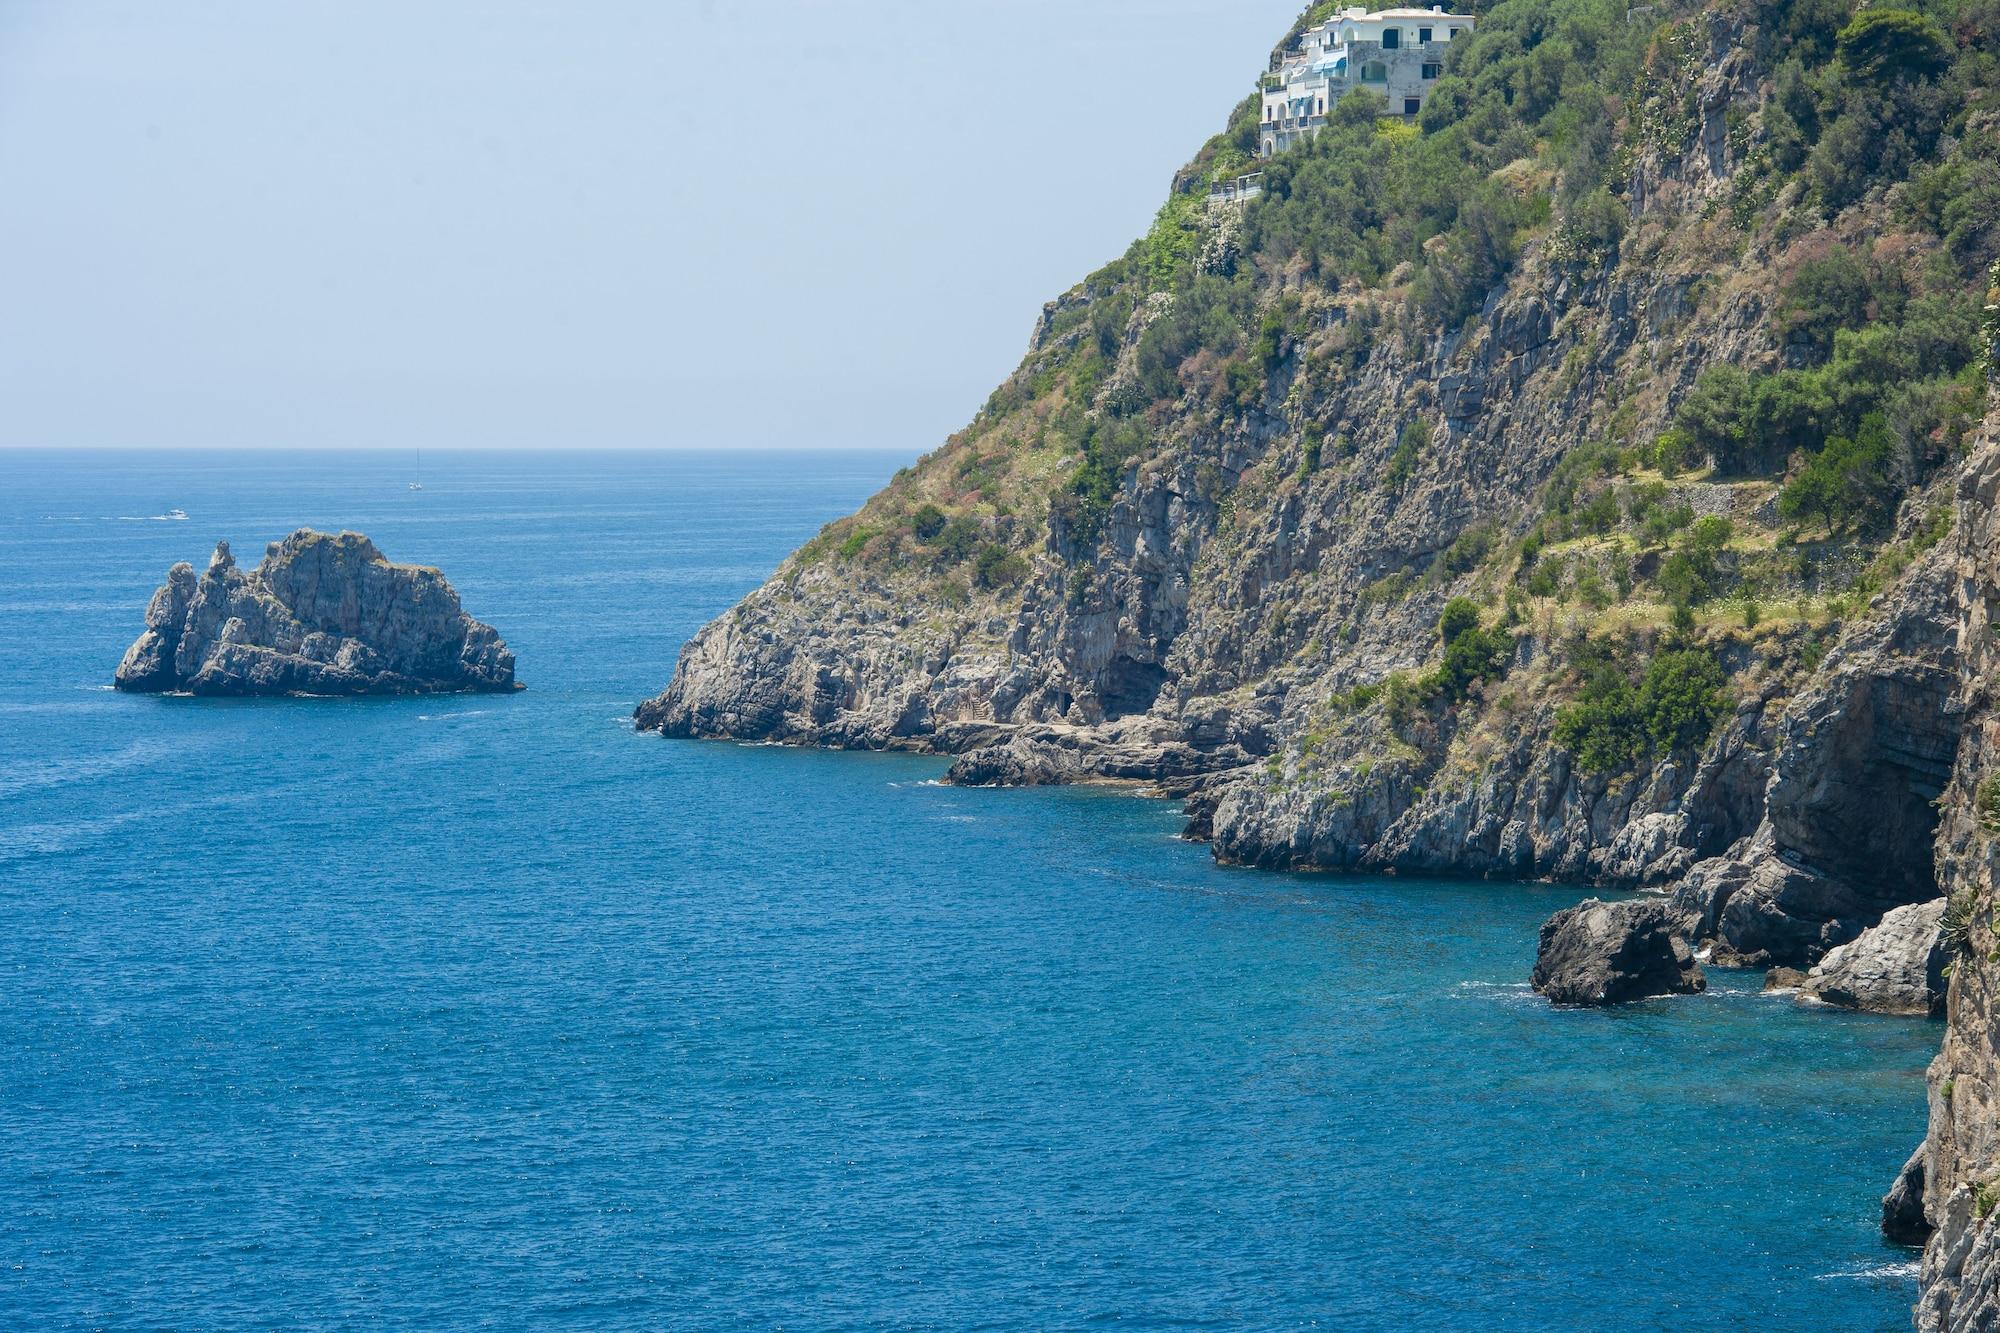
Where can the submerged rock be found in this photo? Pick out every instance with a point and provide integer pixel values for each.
(1894, 967)
(319, 615)
(1600, 953)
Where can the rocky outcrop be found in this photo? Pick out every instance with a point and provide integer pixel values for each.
(1903, 1220)
(1894, 967)
(1522, 811)
(1138, 749)
(1856, 764)
(319, 615)
(1600, 953)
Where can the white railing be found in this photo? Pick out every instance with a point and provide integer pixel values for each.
(1240, 190)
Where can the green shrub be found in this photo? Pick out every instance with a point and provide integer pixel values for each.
(1600, 514)
(1464, 554)
(957, 539)
(1846, 481)
(1682, 698)
(1986, 803)
(1710, 418)
(1459, 617)
(1692, 574)
(1664, 522)
(1591, 590)
(927, 522)
(996, 566)
(1409, 446)
(857, 539)
(1603, 728)
(1956, 922)
(1613, 723)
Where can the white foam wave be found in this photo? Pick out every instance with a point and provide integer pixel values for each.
(1897, 1270)
(453, 717)
(1507, 989)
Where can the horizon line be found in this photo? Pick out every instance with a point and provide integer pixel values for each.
(459, 448)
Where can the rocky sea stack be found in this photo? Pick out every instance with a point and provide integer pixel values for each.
(320, 615)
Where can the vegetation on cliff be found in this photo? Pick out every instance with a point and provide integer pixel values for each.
(1569, 414)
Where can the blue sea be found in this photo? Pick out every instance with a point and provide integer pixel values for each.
(488, 1012)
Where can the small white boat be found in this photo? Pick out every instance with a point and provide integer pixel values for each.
(177, 515)
(416, 485)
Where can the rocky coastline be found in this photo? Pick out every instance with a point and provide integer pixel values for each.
(321, 614)
(1446, 598)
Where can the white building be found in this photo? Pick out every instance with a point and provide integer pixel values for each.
(1397, 54)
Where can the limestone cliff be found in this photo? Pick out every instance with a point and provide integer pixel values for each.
(1205, 534)
(1961, 1276)
(319, 615)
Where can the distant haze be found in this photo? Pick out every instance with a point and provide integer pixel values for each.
(677, 223)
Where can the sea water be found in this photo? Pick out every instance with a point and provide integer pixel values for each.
(489, 1011)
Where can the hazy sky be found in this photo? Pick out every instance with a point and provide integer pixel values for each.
(684, 222)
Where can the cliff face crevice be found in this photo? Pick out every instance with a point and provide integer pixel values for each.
(319, 614)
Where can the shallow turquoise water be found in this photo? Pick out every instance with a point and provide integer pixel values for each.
(490, 1011)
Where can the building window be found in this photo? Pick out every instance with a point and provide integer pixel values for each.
(1392, 39)
(1450, 33)
(1432, 71)
(1373, 72)
(1319, 109)
(1424, 36)
(1412, 105)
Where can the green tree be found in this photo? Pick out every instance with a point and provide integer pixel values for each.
(1604, 728)
(1890, 43)
(1460, 615)
(996, 566)
(1846, 481)
(1711, 416)
(1470, 653)
(1692, 573)
(1826, 295)
(1681, 698)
